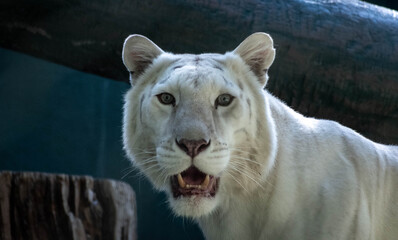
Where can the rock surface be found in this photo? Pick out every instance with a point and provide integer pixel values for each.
(335, 59)
(42, 206)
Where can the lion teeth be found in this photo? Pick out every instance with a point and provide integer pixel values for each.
(206, 182)
(183, 184)
(193, 186)
(181, 181)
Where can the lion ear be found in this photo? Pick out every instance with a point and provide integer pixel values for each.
(138, 53)
(258, 52)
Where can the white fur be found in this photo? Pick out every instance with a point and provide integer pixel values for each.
(282, 176)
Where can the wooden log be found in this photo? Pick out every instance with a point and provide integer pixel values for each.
(41, 206)
(335, 59)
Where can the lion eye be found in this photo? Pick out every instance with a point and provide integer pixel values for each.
(224, 100)
(166, 98)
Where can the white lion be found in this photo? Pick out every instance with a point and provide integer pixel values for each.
(241, 162)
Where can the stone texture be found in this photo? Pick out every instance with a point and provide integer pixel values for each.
(335, 59)
(41, 206)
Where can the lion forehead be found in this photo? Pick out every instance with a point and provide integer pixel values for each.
(198, 73)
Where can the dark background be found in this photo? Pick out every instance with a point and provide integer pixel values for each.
(55, 119)
(58, 120)
(392, 4)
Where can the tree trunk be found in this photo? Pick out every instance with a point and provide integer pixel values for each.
(42, 206)
(335, 59)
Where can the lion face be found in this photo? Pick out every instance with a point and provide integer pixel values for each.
(190, 121)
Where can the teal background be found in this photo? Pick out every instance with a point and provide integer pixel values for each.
(58, 120)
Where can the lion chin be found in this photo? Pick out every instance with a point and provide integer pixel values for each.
(193, 206)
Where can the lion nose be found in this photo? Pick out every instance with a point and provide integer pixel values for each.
(193, 147)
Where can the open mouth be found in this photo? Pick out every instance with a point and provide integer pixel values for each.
(194, 182)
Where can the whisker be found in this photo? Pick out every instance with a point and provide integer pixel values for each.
(167, 156)
(219, 149)
(167, 148)
(145, 152)
(236, 180)
(218, 157)
(145, 161)
(146, 158)
(128, 172)
(241, 148)
(243, 152)
(140, 175)
(253, 172)
(239, 165)
(247, 175)
(165, 179)
(246, 159)
(162, 175)
(151, 167)
(128, 169)
(146, 149)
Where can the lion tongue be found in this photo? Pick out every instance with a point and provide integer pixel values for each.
(193, 178)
